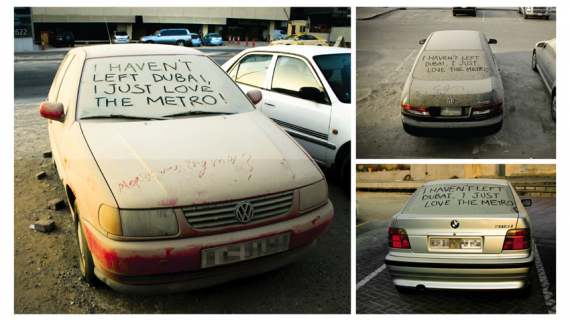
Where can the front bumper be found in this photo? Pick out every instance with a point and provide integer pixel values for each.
(167, 266)
(460, 273)
(414, 122)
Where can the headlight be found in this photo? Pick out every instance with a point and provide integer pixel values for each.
(313, 195)
(149, 223)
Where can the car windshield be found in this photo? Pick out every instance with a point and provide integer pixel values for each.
(453, 65)
(155, 33)
(336, 69)
(290, 37)
(157, 86)
(461, 198)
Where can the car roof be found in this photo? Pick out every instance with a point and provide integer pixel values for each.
(307, 51)
(110, 50)
(455, 40)
(499, 182)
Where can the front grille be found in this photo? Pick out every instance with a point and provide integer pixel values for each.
(222, 215)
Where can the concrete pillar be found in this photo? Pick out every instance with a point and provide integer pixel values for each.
(271, 31)
(204, 30)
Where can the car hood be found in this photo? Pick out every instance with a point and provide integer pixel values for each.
(465, 92)
(196, 160)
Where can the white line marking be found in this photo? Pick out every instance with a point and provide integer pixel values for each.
(549, 301)
(413, 16)
(408, 57)
(363, 224)
(483, 16)
(517, 15)
(370, 276)
(447, 17)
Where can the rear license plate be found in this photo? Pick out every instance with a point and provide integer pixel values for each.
(451, 111)
(245, 251)
(455, 243)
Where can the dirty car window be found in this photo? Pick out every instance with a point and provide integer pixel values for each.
(462, 198)
(155, 86)
(453, 65)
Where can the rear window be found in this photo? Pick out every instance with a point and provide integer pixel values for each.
(121, 33)
(453, 65)
(64, 33)
(195, 36)
(214, 35)
(461, 199)
(155, 86)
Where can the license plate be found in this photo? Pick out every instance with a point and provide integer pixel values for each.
(245, 251)
(451, 111)
(455, 243)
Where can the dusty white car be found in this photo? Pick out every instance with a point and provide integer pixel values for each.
(306, 90)
(544, 62)
(176, 181)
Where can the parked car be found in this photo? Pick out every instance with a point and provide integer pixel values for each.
(301, 39)
(454, 84)
(279, 34)
(306, 90)
(195, 41)
(472, 11)
(536, 12)
(212, 39)
(180, 37)
(544, 62)
(121, 36)
(62, 38)
(462, 234)
(176, 184)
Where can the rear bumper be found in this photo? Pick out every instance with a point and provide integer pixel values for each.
(166, 266)
(460, 274)
(413, 122)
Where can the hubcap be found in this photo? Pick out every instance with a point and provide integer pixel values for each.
(554, 107)
(534, 60)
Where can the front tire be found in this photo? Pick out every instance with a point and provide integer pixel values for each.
(534, 61)
(553, 106)
(524, 14)
(86, 265)
(405, 290)
(180, 43)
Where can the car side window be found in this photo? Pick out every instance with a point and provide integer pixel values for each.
(301, 37)
(59, 76)
(64, 94)
(252, 70)
(292, 74)
(166, 33)
(310, 38)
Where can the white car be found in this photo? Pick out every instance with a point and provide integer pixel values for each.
(544, 62)
(306, 90)
(175, 180)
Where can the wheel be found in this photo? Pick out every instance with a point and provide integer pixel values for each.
(495, 128)
(73, 45)
(553, 107)
(474, 14)
(534, 61)
(547, 17)
(86, 265)
(454, 14)
(410, 130)
(345, 176)
(150, 42)
(524, 292)
(405, 290)
(180, 43)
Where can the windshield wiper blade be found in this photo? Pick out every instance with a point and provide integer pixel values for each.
(198, 112)
(125, 117)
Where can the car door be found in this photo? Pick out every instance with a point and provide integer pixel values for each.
(306, 120)
(61, 91)
(544, 57)
(552, 66)
(164, 37)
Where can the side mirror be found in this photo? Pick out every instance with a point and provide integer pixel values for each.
(423, 41)
(158, 35)
(255, 96)
(311, 93)
(52, 110)
(526, 202)
(541, 44)
(492, 41)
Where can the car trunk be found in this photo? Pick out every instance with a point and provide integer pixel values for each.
(451, 98)
(475, 233)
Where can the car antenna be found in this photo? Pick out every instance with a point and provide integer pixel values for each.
(108, 34)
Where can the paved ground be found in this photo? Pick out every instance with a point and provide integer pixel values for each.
(386, 48)
(378, 294)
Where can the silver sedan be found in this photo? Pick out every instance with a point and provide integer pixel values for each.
(544, 62)
(462, 234)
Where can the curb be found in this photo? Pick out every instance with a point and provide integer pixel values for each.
(381, 14)
(433, 8)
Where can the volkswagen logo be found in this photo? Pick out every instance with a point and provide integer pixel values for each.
(244, 212)
(455, 224)
(450, 101)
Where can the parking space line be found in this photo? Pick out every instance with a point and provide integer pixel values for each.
(517, 15)
(413, 16)
(363, 224)
(408, 57)
(447, 17)
(370, 276)
(483, 16)
(549, 301)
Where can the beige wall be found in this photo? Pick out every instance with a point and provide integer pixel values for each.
(205, 15)
(437, 171)
(530, 169)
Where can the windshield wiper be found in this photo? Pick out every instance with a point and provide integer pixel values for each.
(125, 117)
(198, 112)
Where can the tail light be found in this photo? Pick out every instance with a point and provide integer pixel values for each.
(128, 37)
(487, 108)
(114, 37)
(517, 239)
(398, 238)
(415, 110)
